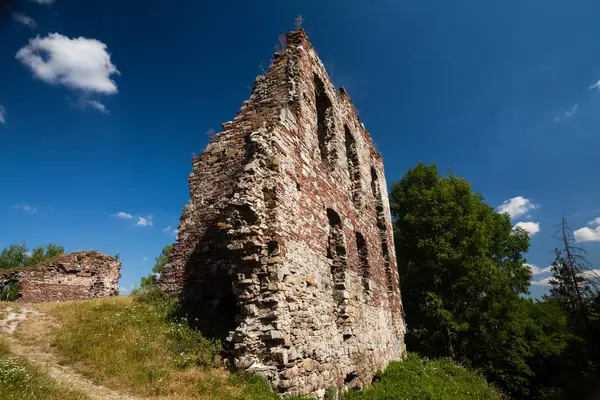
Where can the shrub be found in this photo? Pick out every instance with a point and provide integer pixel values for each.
(10, 292)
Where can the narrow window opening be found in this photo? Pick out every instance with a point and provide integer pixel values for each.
(363, 257)
(325, 126)
(336, 252)
(353, 166)
(381, 224)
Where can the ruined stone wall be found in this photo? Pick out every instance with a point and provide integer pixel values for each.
(286, 248)
(75, 276)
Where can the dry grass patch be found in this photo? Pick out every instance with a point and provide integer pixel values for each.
(132, 346)
(23, 381)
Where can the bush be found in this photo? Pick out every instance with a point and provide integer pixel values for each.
(10, 292)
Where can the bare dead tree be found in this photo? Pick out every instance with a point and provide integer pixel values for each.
(299, 22)
(573, 279)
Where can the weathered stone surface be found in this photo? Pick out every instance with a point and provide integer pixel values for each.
(75, 276)
(285, 249)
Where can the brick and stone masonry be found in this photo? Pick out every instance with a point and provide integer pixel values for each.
(75, 276)
(285, 249)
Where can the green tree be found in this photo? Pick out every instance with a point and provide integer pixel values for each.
(13, 256)
(17, 255)
(160, 261)
(462, 273)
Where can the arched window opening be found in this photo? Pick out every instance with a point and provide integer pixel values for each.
(353, 165)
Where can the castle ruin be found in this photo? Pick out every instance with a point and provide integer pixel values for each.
(81, 275)
(285, 250)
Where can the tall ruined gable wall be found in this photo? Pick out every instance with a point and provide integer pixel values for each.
(340, 310)
(257, 249)
(75, 276)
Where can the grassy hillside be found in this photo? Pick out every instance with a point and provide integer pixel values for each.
(131, 346)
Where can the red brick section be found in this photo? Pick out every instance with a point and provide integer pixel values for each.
(75, 276)
(285, 248)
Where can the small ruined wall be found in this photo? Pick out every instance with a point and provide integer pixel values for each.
(75, 276)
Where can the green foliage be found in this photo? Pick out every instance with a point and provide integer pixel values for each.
(462, 273)
(10, 292)
(162, 259)
(462, 276)
(18, 256)
(419, 378)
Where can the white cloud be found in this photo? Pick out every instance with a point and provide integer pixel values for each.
(167, 229)
(94, 104)
(595, 86)
(531, 227)
(2, 115)
(595, 221)
(175, 232)
(24, 19)
(535, 270)
(591, 274)
(78, 63)
(123, 215)
(542, 282)
(568, 113)
(144, 221)
(586, 234)
(26, 207)
(145, 258)
(517, 206)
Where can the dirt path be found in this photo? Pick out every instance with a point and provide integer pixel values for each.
(64, 375)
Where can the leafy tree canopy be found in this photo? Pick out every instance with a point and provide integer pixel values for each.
(18, 255)
(462, 273)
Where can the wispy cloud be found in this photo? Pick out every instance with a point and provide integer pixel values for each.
(517, 206)
(144, 221)
(26, 207)
(46, 2)
(86, 104)
(542, 282)
(145, 258)
(595, 86)
(123, 215)
(587, 234)
(138, 219)
(535, 270)
(167, 229)
(531, 227)
(568, 113)
(2, 115)
(24, 19)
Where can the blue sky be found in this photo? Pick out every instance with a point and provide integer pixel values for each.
(103, 104)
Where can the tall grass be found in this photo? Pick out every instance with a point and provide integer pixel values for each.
(21, 380)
